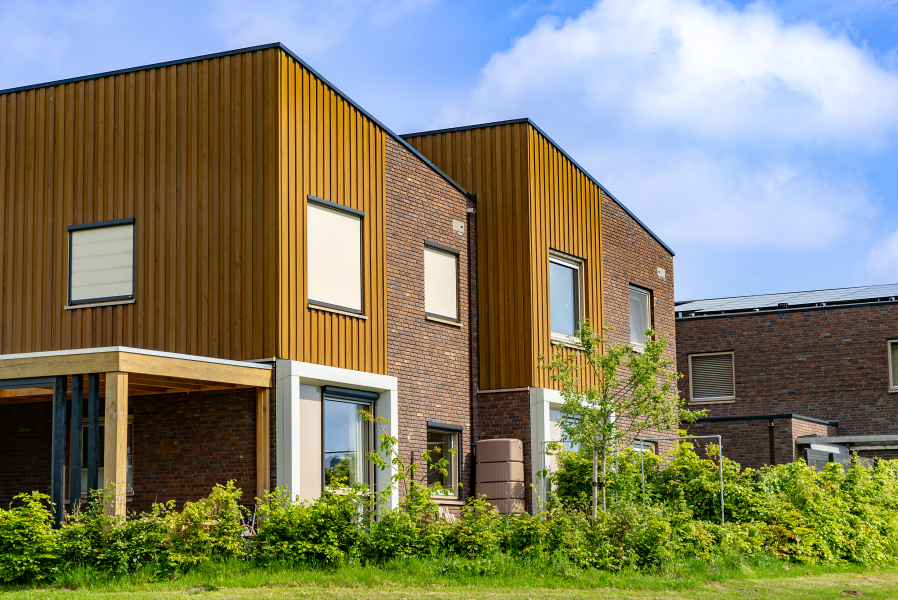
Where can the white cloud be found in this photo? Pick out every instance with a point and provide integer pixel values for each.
(712, 123)
(882, 261)
(306, 26)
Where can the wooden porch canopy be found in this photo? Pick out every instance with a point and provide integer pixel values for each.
(114, 373)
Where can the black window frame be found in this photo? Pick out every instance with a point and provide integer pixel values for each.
(100, 225)
(356, 213)
(457, 253)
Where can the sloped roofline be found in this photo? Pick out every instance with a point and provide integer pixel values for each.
(290, 53)
(560, 149)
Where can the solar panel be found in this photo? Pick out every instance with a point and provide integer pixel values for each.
(768, 301)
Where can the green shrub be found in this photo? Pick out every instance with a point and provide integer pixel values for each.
(28, 548)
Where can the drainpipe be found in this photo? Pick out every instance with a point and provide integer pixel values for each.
(770, 431)
(472, 214)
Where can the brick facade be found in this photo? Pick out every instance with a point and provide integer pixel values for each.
(506, 415)
(827, 363)
(182, 445)
(747, 441)
(431, 359)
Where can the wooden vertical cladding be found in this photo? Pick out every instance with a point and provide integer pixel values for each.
(214, 159)
(188, 151)
(530, 199)
(330, 150)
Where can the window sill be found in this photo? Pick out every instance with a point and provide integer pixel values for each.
(442, 320)
(337, 311)
(566, 341)
(98, 304)
(721, 401)
(893, 391)
(453, 501)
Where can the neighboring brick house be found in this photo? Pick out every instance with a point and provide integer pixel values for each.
(772, 370)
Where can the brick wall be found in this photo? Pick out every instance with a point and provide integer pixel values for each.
(747, 441)
(182, 445)
(830, 364)
(430, 359)
(506, 415)
(632, 256)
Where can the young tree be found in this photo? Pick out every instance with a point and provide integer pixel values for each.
(635, 392)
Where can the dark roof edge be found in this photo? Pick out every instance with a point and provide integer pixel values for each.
(759, 417)
(290, 53)
(777, 311)
(856, 287)
(560, 149)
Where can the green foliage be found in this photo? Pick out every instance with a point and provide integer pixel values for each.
(28, 549)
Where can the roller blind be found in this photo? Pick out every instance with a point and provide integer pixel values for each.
(894, 358)
(712, 377)
(102, 264)
(334, 257)
(639, 316)
(440, 284)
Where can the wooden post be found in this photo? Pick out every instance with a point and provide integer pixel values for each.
(115, 453)
(57, 460)
(75, 442)
(93, 432)
(263, 442)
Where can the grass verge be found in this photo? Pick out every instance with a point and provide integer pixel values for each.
(498, 577)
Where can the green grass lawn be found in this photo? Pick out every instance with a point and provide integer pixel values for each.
(495, 578)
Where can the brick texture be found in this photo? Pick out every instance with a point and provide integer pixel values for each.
(506, 415)
(830, 364)
(430, 359)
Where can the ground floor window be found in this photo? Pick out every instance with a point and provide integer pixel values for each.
(347, 439)
(102, 435)
(442, 443)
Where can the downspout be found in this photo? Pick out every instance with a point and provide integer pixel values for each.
(770, 431)
(472, 213)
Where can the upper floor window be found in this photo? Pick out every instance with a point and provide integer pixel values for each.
(640, 316)
(712, 377)
(440, 281)
(564, 294)
(101, 261)
(334, 255)
(893, 365)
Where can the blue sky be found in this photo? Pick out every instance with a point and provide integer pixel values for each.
(758, 139)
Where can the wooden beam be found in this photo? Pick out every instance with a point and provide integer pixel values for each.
(57, 460)
(146, 364)
(263, 442)
(93, 432)
(25, 400)
(115, 454)
(77, 404)
(24, 392)
(61, 364)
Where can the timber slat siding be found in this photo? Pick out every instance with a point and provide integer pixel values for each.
(332, 151)
(530, 199)
(186, 150)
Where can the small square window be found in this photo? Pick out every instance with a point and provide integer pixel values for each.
(565, 302)
(640, 316)
(440, 445)
(101, 261)
(440, 281)
(711, 377)
(334, 255)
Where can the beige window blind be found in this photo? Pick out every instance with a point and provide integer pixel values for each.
(440, 283)
(334, 257)
(102, 263)
(711, 377)
(893, 358)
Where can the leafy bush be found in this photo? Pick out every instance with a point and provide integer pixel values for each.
(28, 550)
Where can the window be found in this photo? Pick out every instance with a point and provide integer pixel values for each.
(334, 255)
(440, 281)
(893, 365)
(102, 433)
(442, 442)
(644, 446)
(564, 295)
(101, 261)
(347, 437)
(711, 377)
(640, 316)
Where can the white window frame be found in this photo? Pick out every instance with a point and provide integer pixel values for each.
(455, 463)
(455, 254)
(73, 229)
(318, 304)
(721, 399)
(648, 304)
(577, 264)
(893, 377)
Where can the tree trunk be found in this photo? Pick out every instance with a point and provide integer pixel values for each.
(603, 482)
(595, 477)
